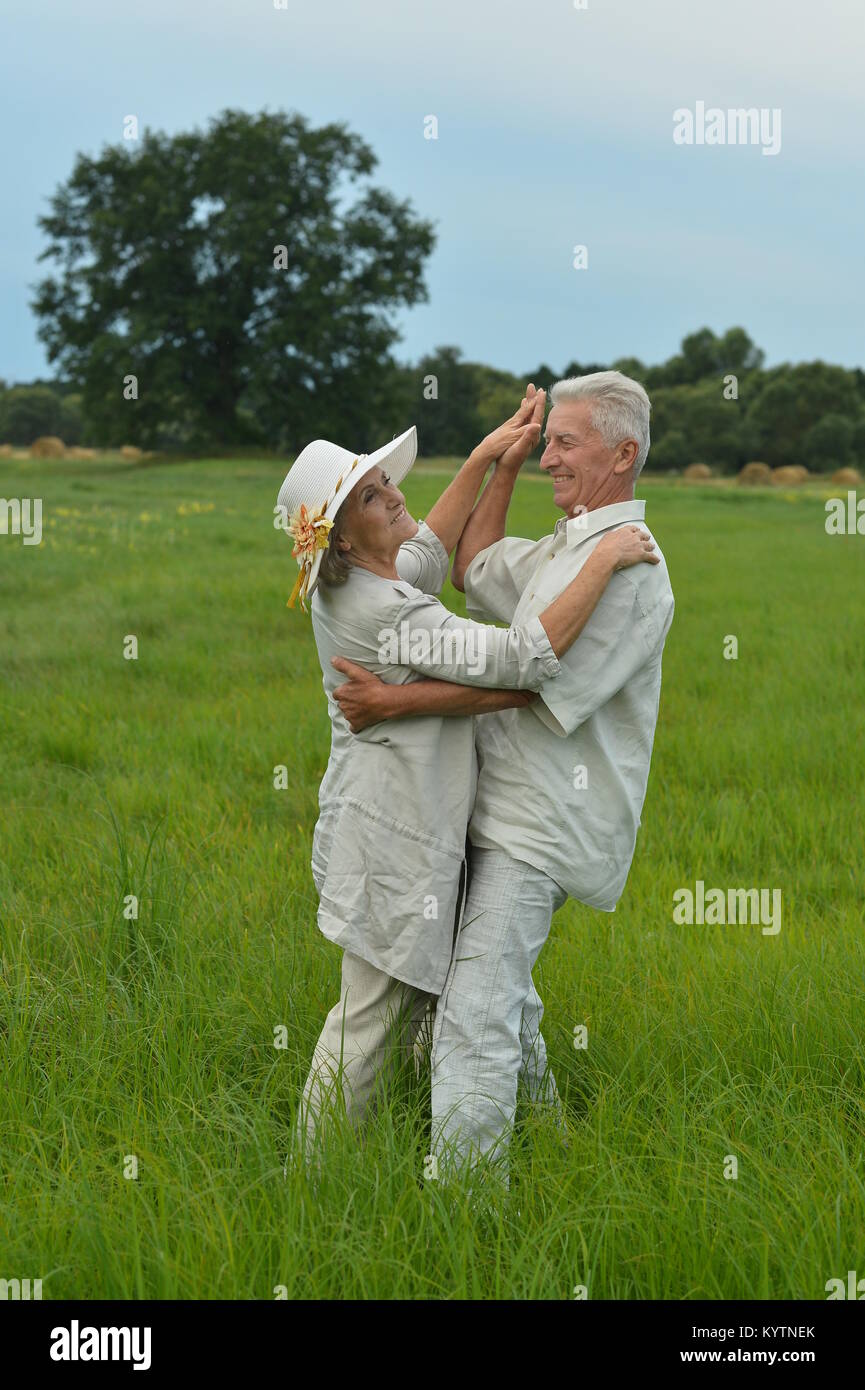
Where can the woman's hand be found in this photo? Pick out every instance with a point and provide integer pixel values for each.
(564, 619)
(628, 546)
(514, 440)
(520, 433)
(516, 455)
(365, 700)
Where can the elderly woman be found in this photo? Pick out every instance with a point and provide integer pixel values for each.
(395, 800)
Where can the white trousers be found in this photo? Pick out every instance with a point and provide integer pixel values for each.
(379, 1020)
(489, 1014)
(375, 1023)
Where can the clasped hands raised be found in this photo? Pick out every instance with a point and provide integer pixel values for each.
(510, 445)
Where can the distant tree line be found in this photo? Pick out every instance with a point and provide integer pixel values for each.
(235, 289)
(713, 402)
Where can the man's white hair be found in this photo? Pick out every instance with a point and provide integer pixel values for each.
(620, 408)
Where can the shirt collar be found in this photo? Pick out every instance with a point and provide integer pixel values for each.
(402, 585)
(579, 528)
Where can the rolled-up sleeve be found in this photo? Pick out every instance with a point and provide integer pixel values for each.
(426, 637)
(423, 561)
(495, 579)
(618, 639)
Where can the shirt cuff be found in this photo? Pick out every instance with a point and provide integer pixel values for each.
(538, 633)
(547, 715)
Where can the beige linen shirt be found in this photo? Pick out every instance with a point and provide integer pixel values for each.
(395, 799)
(561, 782)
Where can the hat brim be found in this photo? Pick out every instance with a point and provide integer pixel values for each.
(399, 455)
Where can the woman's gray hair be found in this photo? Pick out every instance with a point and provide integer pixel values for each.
(620, 408)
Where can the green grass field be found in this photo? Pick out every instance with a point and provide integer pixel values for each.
(154, 1037)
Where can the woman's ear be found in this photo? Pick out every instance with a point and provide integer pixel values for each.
(342, 543)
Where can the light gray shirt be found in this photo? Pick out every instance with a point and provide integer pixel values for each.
(562, 781)
(395, 799)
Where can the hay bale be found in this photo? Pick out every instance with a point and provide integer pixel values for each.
(755, 475)
(791, 475)
(47, 446)
(698, 472)
(131, 453)
(5, 451)
(850, 477)
(78, 453)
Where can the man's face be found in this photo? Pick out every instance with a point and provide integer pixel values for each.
(576, 457)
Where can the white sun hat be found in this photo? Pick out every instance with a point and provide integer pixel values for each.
(314, 489)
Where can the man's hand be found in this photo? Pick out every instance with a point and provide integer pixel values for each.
(517, 453)
(364, 698)
(520, 433)
(486, 525)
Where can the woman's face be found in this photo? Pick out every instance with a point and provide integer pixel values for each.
(375, 519)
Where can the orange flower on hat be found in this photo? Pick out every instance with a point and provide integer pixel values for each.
(310, 533)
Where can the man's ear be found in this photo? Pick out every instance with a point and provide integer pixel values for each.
(626, 456)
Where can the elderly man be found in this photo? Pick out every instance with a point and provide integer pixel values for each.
(562, 780)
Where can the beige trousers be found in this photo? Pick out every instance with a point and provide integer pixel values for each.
(377, 1020)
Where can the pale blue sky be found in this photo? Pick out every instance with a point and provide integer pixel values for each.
(555, 128)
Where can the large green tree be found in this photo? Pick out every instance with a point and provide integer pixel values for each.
(169, 271)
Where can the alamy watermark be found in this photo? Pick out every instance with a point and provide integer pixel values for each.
(22, 516)
(845, 519)
(17, 1289)
(423, 646)
(76, 1343)
(736, 126)
(854, 1288)
(735, 906)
